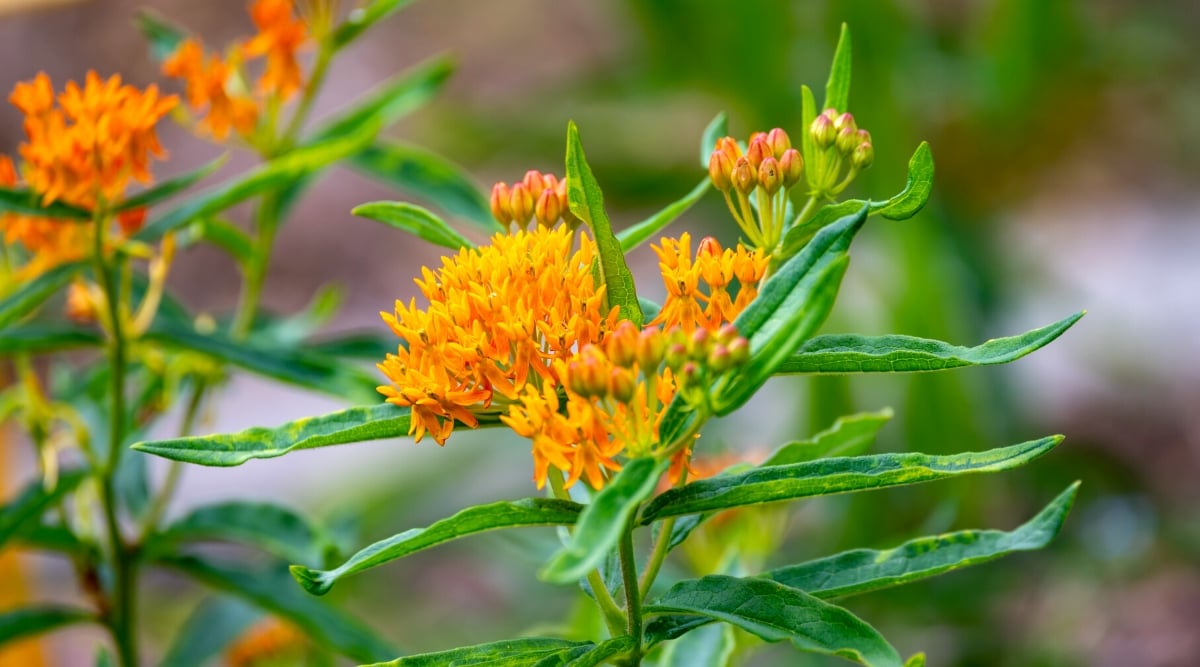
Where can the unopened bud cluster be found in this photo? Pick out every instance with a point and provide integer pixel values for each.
(538, 196)
(767, 169)
(840, 143)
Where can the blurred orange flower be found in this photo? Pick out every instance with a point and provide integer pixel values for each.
(280, 36)
(207, 85)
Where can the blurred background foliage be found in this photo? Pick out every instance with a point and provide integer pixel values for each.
(1066, 136)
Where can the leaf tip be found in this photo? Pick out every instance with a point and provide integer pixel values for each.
(312, 581)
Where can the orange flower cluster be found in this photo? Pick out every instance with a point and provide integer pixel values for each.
(217, 82)
(268, 642)
(497, 319)
(689, 307)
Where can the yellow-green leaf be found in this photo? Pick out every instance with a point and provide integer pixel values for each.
(849, 436)
(837, 88)
(415, 220)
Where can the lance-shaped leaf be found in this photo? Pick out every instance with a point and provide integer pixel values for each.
(28, 506)
(837, 87)
(373, 422)
(171, 186)
(587, 203)
(275, 174)
(717, 127)
(635, 235)
(849, 436)
(428, 176)
(271, 589)
(30, 621)
(864, 570)
(526, 652)
(215, 624)
(526, 512)
(837, 475)
(40, 338)
(164, 36)
(852, 353)
(31, 294)
(415, 220)
(273, 528)
(775, 612)
(600, 525)
(27, 202)
(392, 100)
(363, 17)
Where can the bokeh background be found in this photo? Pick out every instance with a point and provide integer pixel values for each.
(1066, 136)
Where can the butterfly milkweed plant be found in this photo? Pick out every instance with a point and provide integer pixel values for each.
(540, 331)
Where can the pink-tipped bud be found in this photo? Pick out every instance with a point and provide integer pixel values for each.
(843, 121)
(550, 181)
(534, 182)
(863, 156)
(621, 344)
(622, 385)
(823, 132)
(739, 351)
(677, 354)
(757, 150)
(729, 146)
(651, 346)
(744, 176)
(770, 177)
(792, 166)
(847, 139)
(547, 210)
(501, 206)
(720, 170)
(700, 344)
(719, 359)
(727, 334)
(594, 372)
(521, 203)
(831, 113)
(779, 141)
(689, 374)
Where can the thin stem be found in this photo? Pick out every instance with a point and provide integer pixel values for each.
(661, 546)
(613, 616)
(808, 207)
(633, 597)
(163, 498)
(266, 223)
(320, 69)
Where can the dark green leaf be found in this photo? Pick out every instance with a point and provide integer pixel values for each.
(849, 436)
(775, 612)
(373, 422)
(164, 36)
(415, 220)
(39, 338)
(587, 203)
(27, 202)
(526, 512)
(600, 525)
(361, 18)
(836, 475)
(35, 499)
(275, 529)
(52, 537)
(508, 653)
(852, 353)
(214, 625)
(635, 235)
(598, 654)
(429, 176)
(837, 89)
(718, 127)
(391, 101)
(171, 186)
(272, 590)
(34, 293)
(269, 176)
(296, 328)
(865, 570)
(30, 621)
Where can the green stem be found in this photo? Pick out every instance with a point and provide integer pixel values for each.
(661, 546)
(633, 597)
(613, 617)
(319, 71)
(266, 223)
(808, 207)
(163, 498)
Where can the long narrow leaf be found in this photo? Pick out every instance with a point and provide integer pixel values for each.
(635, 235)
(214, 625)
(837, 88)
(35, 292)
(429, 176)
(362, 18)
(415, 220)
(390, 101)
(28, 202)
(40, 338)
(28, 506)
(273, 528)
(164, 36)
(526, 652)
(30, 621)
(848, 436)
(171, 186)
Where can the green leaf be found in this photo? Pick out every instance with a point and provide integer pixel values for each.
(775, 612)
(53, 537)
(30, 621)
(718, 127)
(271, 175)
(415, 220)
(271, 589)
(587, 203)
(373, 422)
(171, 186)
(132, 480)
(864, 570)
(849, 436)
(525, 652)
(600, 525)
(916, 191)
(808, 113)
(635, 235)
(526, 512)
(429, 176)
(215, 624)
(273, 528)
(294, 329)
(164, 36)
(26, 202)
(598, 654)
(300, 367)
(361, 18)
(368, 345)
(221, 233)
(837, 475)
(28, 506)
(391, 101)
(852, 353)
(711, 646)
(837, 88)
(34, 293)
(40, 338)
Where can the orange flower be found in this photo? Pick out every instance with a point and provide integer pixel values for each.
(207, 84)
(280, 36)
(497, 319)
(268, 642)
(688, 306)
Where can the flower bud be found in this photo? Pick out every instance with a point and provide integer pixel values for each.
(758, 150)
(560, 189)
(729, 147)
(744, 176)
(708, 247)
(727, 334)
(756, 136)
(550, 181)
(847, 139)
(575, 379)
(677, 354)
(792, 166)
(534, 182)
(689, 374)
(501, 208)
(720, 170)
(863, 156)
(521, 203)
(547, 211)
(770, 177)
(719, 359)
(700, 344)
(651, 346)
(622, 385)
(823, 132)
(621, 344)
(843, 121)
(831, 113)
(779, 141)
(593, 371)
(739, 351)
